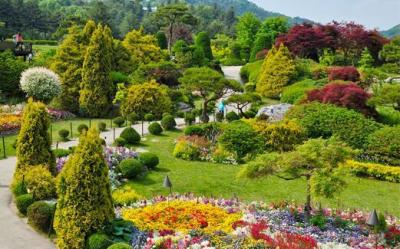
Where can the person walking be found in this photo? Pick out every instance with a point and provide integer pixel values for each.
(19, 39)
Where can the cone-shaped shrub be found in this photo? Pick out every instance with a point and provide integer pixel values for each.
(33, 143)
(84, 203)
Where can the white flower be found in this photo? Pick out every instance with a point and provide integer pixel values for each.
(333, 245)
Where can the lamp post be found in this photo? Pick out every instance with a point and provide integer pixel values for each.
(167, 184)
(373, 221)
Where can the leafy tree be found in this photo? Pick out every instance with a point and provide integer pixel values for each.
(208, 85)
(366, 61)
(10, 71)
(391, 52)
(84, 204)
(241, 101)
(122, 61)
(166, 73)
(387, 94)
(246, 29)
(183, 54)
(317, 160)
(162, 40)
(96, 90)
(203, 43)
(276, 72)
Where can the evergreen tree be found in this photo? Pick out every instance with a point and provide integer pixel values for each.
(87, 33)
(84, 204)
(162, 40)
(366, 61)
(246, 30)
(96, 88)
(203, 43)
(33, 142)
(276, 72)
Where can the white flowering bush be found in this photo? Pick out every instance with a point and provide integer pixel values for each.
(40, 83)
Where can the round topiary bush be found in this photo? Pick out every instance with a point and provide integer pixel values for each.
(155, 128)
(119, 121)
(194, 130)
(168, 122)
(166, 114)
(232, 116)
(63, 134)
(150, 160)
(190, 118)
(23, 202)
(120, 245)
(149, 117)
(98, 241)
(40, 83)
(130, 135)
(132, 117)
(120, 142)
(130, 168)
(102, 126)
(40, 183)
(82, 128)
(40, 215)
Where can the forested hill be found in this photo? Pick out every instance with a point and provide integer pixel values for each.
(395, 31)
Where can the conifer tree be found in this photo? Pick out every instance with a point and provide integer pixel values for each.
(84, 204)
(276, 72)
(203, 43)
(366, 61)
(87, 33)
(33, 142)
(96, 87)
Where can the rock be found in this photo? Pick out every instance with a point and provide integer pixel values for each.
(184, 107)
(274, 112)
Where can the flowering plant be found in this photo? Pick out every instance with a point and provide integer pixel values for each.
(60, 114)
(9, 123)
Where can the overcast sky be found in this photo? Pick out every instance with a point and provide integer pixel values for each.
(381, 14)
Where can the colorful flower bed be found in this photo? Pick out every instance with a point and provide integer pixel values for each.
(189, 222)
(60, 114)
(9, 123)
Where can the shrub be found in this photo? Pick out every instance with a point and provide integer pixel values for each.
(326, 120)
(150, 160)
(232, 116)
(191, 147)
(125, 196)
(61, 152)
(130, 168)
(102, 126)
(82, 128)
(190, 118)
(194, 130)
(120, 142)
(40, 83)
(375, 170)
(19, 188)
(180, 114)
(130, 135)
(348, 73)
(40, 183)
(250, 87)
(219, 116)
(40, 215)
(63, 134)
(384, 145)
(120, 245)
(119, 121)
(132, 117)
(98, 241)
(155, 128)
(296, 92)
(250, 114)
(23, 202)
(149, 117)
(168, 122)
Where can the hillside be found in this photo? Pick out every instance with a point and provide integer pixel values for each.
(395, 31)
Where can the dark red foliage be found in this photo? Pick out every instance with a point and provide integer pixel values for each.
(261, 54)
(348, 95)
(349, 73)
(294, 241)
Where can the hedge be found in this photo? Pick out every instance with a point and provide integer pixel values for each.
(377, 171)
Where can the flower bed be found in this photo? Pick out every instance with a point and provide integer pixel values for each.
(190, 222)
(9, 123)
(60, 114)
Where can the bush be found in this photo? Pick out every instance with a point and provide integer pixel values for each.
(250, 87)
(219, 116)
(63, 134)
(40, 183)
(377, 171)
(250, 114)
(19, 188)
(120, 245)
(194, 130)
(82, 128)
(180, 114)
(40, 83)
(130, 135)
(294, 93)
(132, 117)
(149, 117)
(168, 122)
(232, 116)
(348, 73)
(190, 118)
(155, 128)
(120, 142)
(40, 215)
(388, 115)
(125, 196)
(102, 126)
(61, 152)
(130, 168)
(98, 241)
(23, 202)
(384, 145)
(119, 121)
(190, 147)
(150, 160)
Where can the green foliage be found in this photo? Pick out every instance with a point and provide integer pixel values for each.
(149, 159)
(155, 128)
(374, 170)
(130, 168)
(119, 121)
(277, 70)
(168, 122)
(384, 145)
(391, 52)
(366, 61)
(11, 69)
(164, 72)
(23, 202)
(120, 142)
(119, 229)
(19, 188)
(120, 245)
(246, 30)
(194, 130)
(241, 101)
(98, 241)
(82, 128)
(132, 117)
(387, 94)
(149, 117)
(84, 204)
(203, 43)
(130, 135)
(40, 183)
(125, 196)
(63, 134)
(232, 116)
(118, 77)
(40, 215)
(251, 71)
(162, 40)
(318, 220)
(294, 93)
(190, 118)
(61, 152)
(102, 126)
(96, 90)
(388, 115)
(325, 120)
(190, 147)
(33, 142)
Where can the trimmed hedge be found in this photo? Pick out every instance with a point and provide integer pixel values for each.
(130, 135)
(375, 170)
(102, 126)
(23, 202)
(168, 122)
(42, 42)
(119, 121)
(130, 168)
(40, 215)
(149, 159)
(98, 241)
(155, 128)
(63, 134)
(119, 142)
(82, 128)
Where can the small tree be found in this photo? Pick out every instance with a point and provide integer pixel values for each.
(84, 204)
(241, 101)
(208, 85)
(203, 43)
(387, 94)
(317, 160)
(366, 61)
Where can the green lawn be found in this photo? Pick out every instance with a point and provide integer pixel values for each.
(205, 178)
(43, 48)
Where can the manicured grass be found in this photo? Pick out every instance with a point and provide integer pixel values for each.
(203, 178)
(43, 48)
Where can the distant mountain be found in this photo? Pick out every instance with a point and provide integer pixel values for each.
(395, 31)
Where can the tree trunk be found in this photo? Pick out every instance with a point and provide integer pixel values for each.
(307, 208)
(170, 31)
(204, 115)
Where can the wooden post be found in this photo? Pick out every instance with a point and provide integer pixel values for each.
(4, 148)
(114, 134)
(51, 134)
(70, 129)
(90, 123)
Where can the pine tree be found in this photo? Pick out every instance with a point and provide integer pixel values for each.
(33, 142)
(84, 204)
(366, 61)
(203, 43)
(96, 87)
(276, 72)
(87, 33)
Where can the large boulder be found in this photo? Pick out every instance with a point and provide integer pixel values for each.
(274, 112)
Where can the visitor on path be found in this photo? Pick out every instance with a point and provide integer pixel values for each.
(221, 107)
(19, 40)
(30, 58)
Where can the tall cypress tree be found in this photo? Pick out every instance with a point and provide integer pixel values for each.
(96, 88)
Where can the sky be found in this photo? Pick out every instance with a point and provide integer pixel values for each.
(380, 14)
